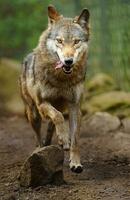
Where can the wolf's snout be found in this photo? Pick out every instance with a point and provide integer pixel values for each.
(67, 68)
(69, 61)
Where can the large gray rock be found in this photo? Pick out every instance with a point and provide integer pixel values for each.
(44, 166)
(101, 123)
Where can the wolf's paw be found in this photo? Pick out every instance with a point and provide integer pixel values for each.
(65, 142)
(76, 168)
(40, 144)
(66, 146)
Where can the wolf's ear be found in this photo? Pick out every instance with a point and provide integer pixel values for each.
(83, 19)
(53, 14)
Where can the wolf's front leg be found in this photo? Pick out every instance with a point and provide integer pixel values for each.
(46, 109)
(74, 122)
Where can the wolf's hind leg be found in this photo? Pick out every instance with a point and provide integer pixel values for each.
(35, 120)
(49, 135)
(46, 109)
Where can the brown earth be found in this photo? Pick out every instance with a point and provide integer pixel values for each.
(106, 160)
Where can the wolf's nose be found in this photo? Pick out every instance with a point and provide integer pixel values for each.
(69, 61)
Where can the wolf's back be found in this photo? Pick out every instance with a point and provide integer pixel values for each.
(28, 72)
(27, 65)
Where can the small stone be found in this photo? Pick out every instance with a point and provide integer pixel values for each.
(44, 166)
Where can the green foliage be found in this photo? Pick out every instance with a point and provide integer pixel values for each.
(110, 39)
(21, 24)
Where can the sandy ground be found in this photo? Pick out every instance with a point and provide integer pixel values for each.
(106, 160)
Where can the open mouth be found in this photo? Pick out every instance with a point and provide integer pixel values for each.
(66, 68)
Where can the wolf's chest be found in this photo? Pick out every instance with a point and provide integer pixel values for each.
(69, 94)
(50, 93)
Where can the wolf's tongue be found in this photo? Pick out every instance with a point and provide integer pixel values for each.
(59, 64)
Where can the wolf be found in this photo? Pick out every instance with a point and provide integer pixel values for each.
(52, 80)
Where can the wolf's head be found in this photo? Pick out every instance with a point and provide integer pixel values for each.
(68, 38)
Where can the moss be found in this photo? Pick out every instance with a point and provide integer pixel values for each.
(9, 90)
(116, 102)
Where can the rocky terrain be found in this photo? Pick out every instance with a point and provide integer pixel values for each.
(105, 153)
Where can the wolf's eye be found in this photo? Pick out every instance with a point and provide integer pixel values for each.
(77, 41)
(59, 41)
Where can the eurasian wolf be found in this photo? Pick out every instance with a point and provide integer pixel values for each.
(52, 80)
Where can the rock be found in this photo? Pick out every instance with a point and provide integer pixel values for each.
(100, 82)
(101, 123)
(126, 125)
(115, 102)
(44, 166)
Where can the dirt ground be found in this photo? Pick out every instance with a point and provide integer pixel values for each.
(106, 160)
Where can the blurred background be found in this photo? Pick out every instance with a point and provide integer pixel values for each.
(108, 77)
